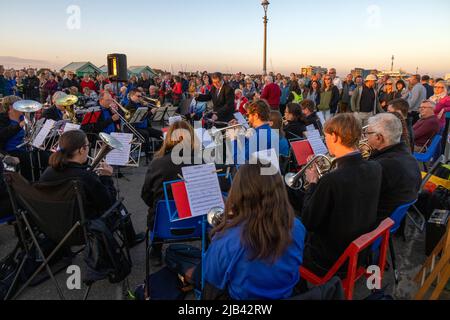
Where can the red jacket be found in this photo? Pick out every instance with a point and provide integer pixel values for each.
(272, 93)
(89, 84)
(177, 88)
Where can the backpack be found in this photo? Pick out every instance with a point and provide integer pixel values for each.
(104, 256)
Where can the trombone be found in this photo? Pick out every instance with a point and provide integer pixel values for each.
(125, 122)
(152, 103)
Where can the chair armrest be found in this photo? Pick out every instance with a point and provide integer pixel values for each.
(310, 277)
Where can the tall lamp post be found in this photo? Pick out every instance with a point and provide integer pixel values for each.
(265, 4)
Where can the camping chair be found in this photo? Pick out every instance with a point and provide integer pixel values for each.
(419, 220)
(351, 255)
(398, 217)
(430, 153)
(54, 210)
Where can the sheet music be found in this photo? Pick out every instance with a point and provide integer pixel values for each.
(203, 189)
(310, 128)
(241, 120)
(42, 135)
(71, 127)
(175, 119)
(321, 117)
(203, 135)
(266, 157)
(315, 140)
(120, 157)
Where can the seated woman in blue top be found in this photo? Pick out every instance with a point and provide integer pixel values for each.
(257, 249)
(261, 137)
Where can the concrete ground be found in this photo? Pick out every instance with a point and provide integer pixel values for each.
(410, 256)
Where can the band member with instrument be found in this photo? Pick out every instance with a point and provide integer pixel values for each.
(401, 174)
(222, 96)
(108, 121)
(257, 248)
(144, 127)
(342, 205)
(55, 112)
(294, 126)
(69, 163)
(5, 203)
(266, 138)
(162, 169)
(310, 115)
(11, 125)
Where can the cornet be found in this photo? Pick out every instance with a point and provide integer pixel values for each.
(323, 164)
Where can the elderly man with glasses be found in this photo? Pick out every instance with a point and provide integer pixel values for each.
(427, 127)
(401, 177)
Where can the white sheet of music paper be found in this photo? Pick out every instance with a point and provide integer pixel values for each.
(120, 157)
(315, 140)
(310, 128)
(241, 120)
(203, 189)
(71, 127)
(42, 135)
(203, 135)
(175, 119)
(266, 157)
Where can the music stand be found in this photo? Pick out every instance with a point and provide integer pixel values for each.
(160, 115)
(139, 115)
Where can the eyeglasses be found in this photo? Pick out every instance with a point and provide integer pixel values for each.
(370, 133)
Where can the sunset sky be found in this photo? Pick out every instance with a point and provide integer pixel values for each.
(228, 35)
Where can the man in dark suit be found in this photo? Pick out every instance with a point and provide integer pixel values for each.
(332, 217)
(222, 96)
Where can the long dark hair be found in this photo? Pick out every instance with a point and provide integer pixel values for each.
(260, 205)
(69, 143)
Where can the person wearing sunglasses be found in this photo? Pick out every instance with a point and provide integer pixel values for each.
(388, 94)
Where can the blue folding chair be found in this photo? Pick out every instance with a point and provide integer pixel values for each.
(398, 217)
(430, 154)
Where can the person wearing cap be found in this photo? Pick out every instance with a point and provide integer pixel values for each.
(365, 102)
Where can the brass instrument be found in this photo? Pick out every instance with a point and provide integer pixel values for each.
(215, 216)
(125, 120)
(365, 148)
(147, 101)
(109, 144)
(322, 163)
(28, 107)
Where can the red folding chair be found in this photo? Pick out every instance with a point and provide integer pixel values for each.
(351, 254)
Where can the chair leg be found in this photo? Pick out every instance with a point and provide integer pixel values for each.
(148, 248)
(393, 261)
(16, 277)
(86, 293)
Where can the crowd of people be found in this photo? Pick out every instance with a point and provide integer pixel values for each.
(266, 233)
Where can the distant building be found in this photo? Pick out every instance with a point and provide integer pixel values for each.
(363, 72)
(312, 70)
(82, 68)
(397, 74)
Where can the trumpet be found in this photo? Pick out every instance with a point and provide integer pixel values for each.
(322, 163)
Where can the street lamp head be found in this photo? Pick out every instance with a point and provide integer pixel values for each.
(265, 4)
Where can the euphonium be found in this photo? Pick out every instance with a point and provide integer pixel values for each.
(70, 114)
(109, 144)
(322, 164)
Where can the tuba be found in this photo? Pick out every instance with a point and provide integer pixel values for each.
(323, 165)
(109, 144)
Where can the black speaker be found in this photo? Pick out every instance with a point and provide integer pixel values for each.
(436, 229)
(117, 67)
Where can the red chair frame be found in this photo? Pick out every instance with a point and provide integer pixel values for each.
(351, 254)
